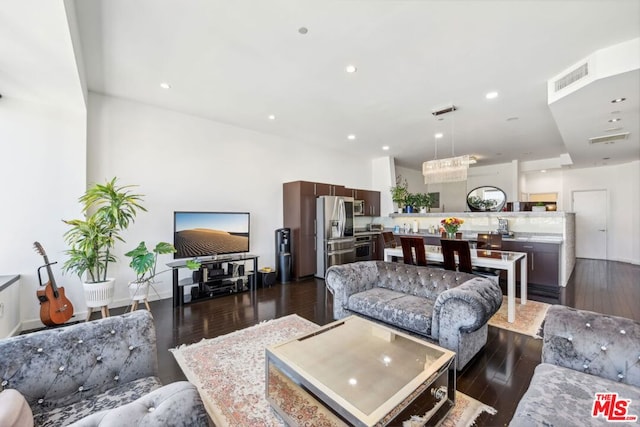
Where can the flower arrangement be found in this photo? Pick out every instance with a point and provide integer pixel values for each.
(451, 224)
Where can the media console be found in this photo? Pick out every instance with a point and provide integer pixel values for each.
(217, 276)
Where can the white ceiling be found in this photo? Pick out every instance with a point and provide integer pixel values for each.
(239, 61)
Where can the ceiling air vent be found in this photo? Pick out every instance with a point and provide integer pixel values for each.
(609, 138)
(572, 77)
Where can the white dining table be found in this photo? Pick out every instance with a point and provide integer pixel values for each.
(502, 260)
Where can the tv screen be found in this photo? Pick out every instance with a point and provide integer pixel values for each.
(199, 234)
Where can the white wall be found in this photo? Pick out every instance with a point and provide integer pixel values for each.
(43, 172)
(183, 162)
(623, 215)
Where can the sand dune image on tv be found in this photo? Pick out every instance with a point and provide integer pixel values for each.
(198, 241)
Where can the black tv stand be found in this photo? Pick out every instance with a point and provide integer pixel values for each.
(217, 276)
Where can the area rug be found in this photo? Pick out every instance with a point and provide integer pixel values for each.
(529, 317)
(229, 372)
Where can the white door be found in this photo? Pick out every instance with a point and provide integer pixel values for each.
(590, 208)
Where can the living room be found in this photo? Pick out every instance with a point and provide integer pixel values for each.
(60, 133)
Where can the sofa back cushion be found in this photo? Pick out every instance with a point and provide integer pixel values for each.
(57, 367)
(426, 282)
(594, 343)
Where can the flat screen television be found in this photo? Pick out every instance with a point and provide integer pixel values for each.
(200, 234)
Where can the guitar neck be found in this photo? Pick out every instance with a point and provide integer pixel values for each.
(52, 280)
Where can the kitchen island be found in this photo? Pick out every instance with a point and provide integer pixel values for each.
(548, 238)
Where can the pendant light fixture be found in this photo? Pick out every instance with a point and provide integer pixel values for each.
(451, 169)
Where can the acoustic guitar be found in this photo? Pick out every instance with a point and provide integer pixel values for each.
(55, 308)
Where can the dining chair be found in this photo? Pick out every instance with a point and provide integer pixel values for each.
(411, 244)
(389, 239)
(449, 250)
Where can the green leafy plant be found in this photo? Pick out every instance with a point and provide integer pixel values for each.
(412, 200)
(109, 209)
(423, 200)
(144, 262)
(399, 192)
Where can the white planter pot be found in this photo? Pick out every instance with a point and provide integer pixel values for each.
(99, 294)
(139, 291)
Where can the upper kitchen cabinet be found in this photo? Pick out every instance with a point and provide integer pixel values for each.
(331, 190)
(371, 201)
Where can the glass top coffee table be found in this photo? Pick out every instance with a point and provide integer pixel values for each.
(357, 372)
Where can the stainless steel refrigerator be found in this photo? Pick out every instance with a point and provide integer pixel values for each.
(335, 243)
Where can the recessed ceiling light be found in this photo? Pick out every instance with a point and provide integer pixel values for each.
(351, 137)
(543, 171)
(438, 135)
(272, 116)
(510, 119)
(615, 101)
(606, 158)
(351, 69)
(614, 120)
(165, 85)
(303, 30)
(385, 147)
(491, 95)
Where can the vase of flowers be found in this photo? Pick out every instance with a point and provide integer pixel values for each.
(450, 226)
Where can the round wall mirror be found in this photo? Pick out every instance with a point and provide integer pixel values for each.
(486, 199)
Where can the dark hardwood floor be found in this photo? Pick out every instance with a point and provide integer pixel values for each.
(498, 376)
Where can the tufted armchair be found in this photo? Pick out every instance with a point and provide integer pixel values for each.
(583, 353)
(448, 307)
(97, 373)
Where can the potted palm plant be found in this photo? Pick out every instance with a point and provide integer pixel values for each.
(109, 209)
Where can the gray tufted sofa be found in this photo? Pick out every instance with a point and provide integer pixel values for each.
(583, 353)
(448, 307)
(97, 373)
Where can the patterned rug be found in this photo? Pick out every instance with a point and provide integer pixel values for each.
(529, 317)
(229, 372)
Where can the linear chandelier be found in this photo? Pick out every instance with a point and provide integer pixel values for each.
(452, 169)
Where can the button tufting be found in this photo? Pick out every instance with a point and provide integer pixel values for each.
(585, 366)
(151, 409)
(40, 401)
(588, 325)
(4, 383)
(570, 338)
(117, 377)
(113, 332)
(603, 348)
(39, 350)
(622, 331)
(80, 388)
(620, 375)
(130, 347)
(61, 368)
(99, 358)
(80, 341)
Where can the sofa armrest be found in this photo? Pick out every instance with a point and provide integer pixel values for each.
(606, 346)
(348, 279)
(176, 404)
(49, 367)
(467, 307)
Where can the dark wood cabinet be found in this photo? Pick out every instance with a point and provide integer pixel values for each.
(299, 214)
(378, 247)
(543, 262)
(371, 201)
